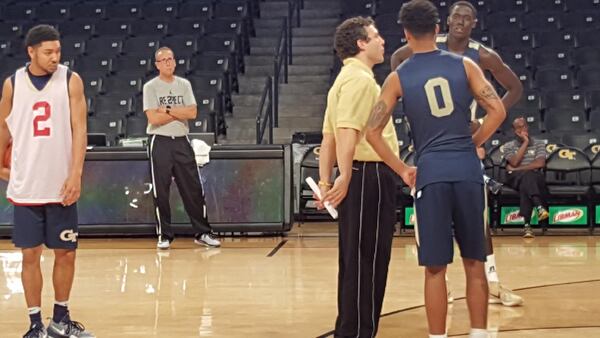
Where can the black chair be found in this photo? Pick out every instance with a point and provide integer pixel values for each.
(560, 120)
(512, 39)
(586, 56)
(141, 46)
(183, 46)
(109, 46)
(77, 29)
(580, 20)
(186, 27)
(568, 177)
(124, 11)
(580, 141)
(19, 13)
(551, 57)
(139, 66)
(504, 21)
(130, 85)
(109, 125)
(544, 5)
(92, 86)
(554, 39)
(588, 77)
(89, 64)
(569, 100)
(112, 105)
(88, 11)
(542, 21)
(588, 38)
(196, 9)
(554, 78)
(584, 5)
(114, 28)
(55, 12)
(160, 10)
(10, 31)
(507, 5)
(149, 28)
(136, 127)
(516, 57)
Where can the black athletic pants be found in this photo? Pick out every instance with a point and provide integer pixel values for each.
(366, 227)
(531, 185)
(173, 157)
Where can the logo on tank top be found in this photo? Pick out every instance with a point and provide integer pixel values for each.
(170, 100)
(69, 236)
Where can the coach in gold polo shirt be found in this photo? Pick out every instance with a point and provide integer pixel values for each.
(365, 189)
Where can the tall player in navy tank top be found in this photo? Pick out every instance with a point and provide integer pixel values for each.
(437, 88)
(461, 22)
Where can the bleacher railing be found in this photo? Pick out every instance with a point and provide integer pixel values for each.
(282, 58)
(265, 114)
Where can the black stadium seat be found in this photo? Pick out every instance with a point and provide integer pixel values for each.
(117, 106)
(136, 127)
(193, 9)
(188, 27)
(153, 28)
(105, 46)
(130, 85)
(134, 65)
(88, 11)
(141, 46)
(554, 78)
(160, 10)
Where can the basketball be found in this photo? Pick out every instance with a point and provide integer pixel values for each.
(7, 156)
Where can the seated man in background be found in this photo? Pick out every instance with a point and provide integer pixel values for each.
(525, 157)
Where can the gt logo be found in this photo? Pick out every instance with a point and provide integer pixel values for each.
(69, 236)
(566, 153)
(595, 148)
(551, 147)
(317, 150)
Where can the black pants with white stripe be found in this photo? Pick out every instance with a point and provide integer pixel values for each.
(173, 157)
(366, 227)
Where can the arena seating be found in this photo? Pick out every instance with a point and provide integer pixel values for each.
(112, 44)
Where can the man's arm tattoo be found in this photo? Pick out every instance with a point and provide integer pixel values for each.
(379, 116)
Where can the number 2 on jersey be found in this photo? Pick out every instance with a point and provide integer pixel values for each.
(448, 105)
(41, 112)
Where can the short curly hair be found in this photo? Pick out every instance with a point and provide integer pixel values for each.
(419, 17)
(347, 33)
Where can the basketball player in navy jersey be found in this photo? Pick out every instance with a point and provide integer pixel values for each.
(438, 88)
(461, 22)
(43, 109)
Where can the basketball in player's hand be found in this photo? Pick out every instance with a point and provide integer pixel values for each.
(7, 156)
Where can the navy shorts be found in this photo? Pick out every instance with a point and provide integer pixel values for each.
(446, 210)
(49, 224)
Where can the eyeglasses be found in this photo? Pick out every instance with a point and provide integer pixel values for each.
(167, 60)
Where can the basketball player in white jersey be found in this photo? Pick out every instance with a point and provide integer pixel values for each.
(43, 109)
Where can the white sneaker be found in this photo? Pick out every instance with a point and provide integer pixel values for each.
(207, 239)
(163, 244)
(502, 295)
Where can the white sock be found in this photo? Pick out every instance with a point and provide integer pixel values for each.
(34, 310)
(490, 269)
(63, 304)
(438, 336)
(478, 333)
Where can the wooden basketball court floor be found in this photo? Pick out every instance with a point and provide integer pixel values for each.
(286, 287)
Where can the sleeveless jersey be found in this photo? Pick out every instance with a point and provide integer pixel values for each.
(40, 125)
(436, 98)
(472, 52)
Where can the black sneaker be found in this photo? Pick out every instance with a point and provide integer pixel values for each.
(36, 331)
(68, 328)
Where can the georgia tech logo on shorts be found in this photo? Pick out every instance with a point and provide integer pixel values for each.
(69, 236)
(567, 154)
